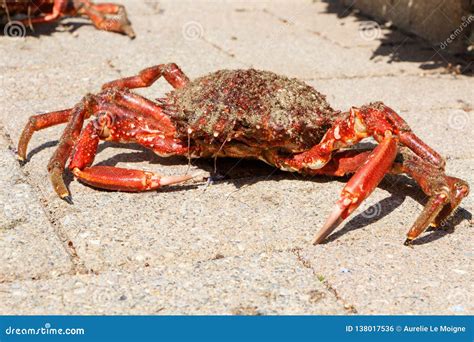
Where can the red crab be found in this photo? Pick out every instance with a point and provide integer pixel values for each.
(104, 16)
(246, 114)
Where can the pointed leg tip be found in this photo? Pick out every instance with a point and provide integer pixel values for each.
(332, 222)
(131, 34)
(408, 242)
(317, 241)
(21, 161)
(127, 30)
(170, 180)
(67, 199)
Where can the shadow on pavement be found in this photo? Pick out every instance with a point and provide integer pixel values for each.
(399, 45)
(67, 25)
(243, 172)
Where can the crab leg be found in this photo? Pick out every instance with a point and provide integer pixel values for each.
(361, 185)
(145, 78)
(115, 178)
(376, 115)
(56, 164)
(369, 121)
(97, 13)
(123, 98)
(145, 107)
(99, 16)
(75, 117)
(59, 9)
(445, 193)
(39, 122)
(425, 165)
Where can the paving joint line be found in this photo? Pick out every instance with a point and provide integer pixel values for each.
(78, 266)
(349, 308)
(41, 277)
(223, 51)
(316, 33)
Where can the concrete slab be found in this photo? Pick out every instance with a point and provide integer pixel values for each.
(364, 259)
(263, 284)
(29, 244)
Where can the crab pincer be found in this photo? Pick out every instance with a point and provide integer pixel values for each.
(120, 179)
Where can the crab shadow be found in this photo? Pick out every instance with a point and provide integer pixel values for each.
(242, 172)
(66, 25)
(40, 148)
(400, 187)
(401, 46)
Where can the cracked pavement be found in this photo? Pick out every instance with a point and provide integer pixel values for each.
(242, 244)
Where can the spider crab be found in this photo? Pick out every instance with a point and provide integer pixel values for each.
(246, 114)
(104, 16)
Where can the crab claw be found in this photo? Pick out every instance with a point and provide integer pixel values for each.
(115, 178)
(361, 185)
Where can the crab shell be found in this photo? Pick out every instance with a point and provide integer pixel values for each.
(247, 113)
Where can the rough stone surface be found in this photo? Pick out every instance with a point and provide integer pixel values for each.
(240, 245)
(433, 20)
(30, 247)
(263, 284)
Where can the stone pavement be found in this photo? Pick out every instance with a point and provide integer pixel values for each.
(241, 245)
